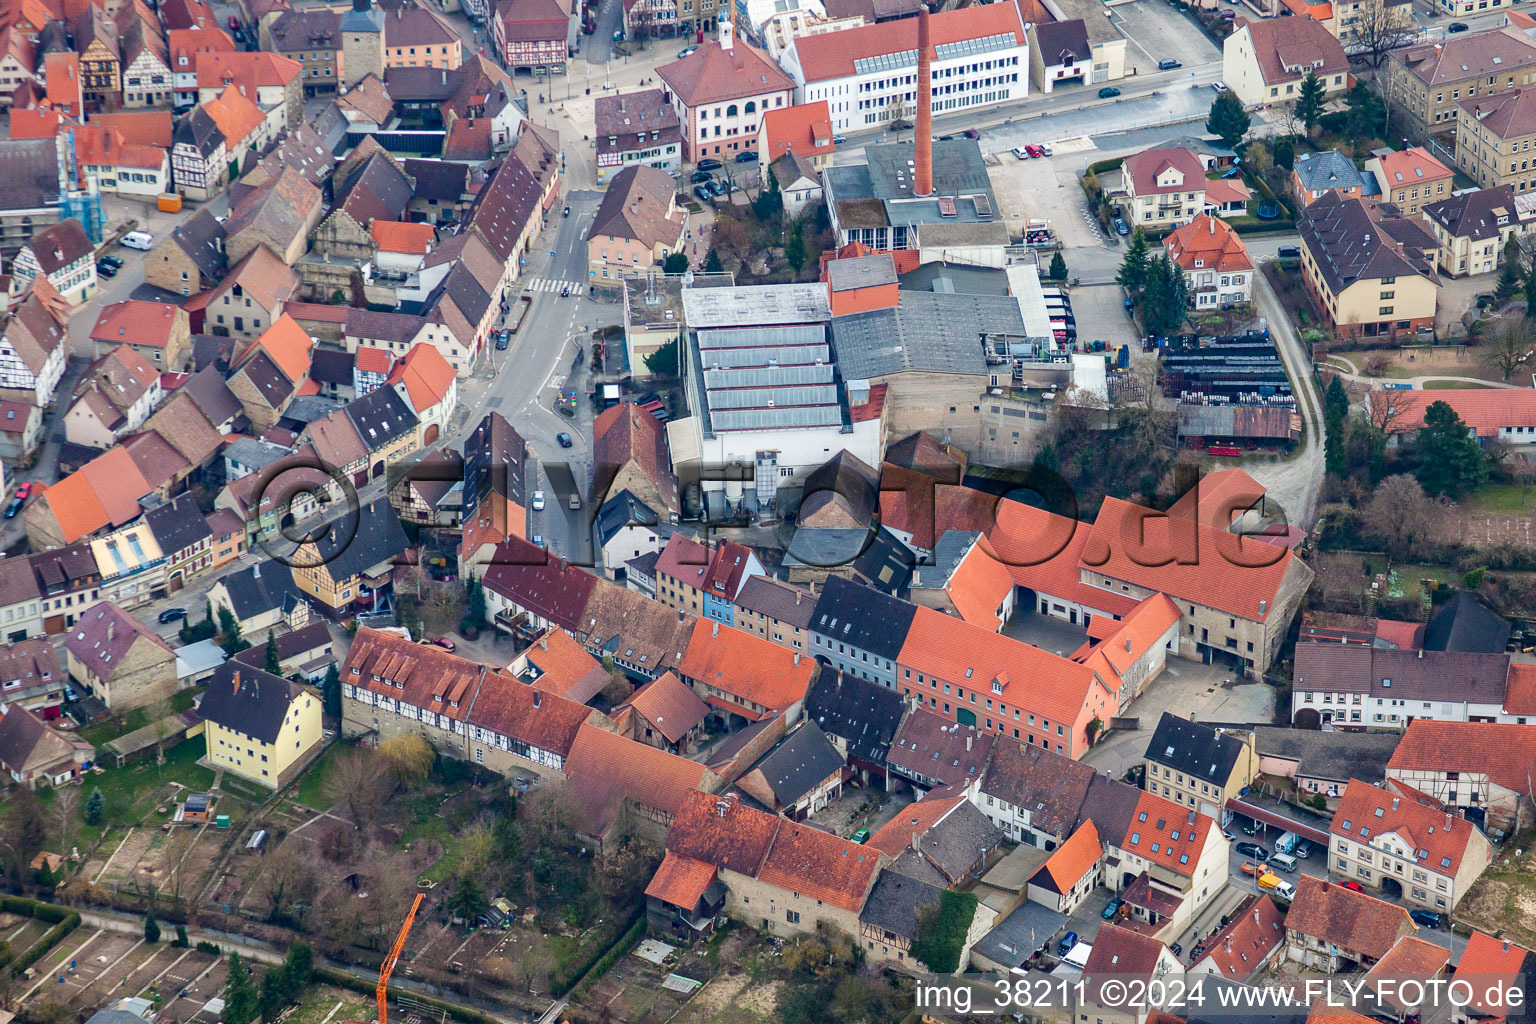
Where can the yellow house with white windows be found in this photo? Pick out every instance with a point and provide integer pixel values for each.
(259, 726)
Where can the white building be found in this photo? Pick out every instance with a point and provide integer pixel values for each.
(1217, 270)
(767, 407)
(868, 76)
(1354, 687)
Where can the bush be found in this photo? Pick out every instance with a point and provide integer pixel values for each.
(204, 946)
(52, 937)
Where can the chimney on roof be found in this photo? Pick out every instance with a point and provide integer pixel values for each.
(1421, 654)
(715, 629)
(1448, 817)
(797, 659)
(1127, 645)
(922, 180)
(1506, 945)
(535, 698)
(915, 845)
(968, 739)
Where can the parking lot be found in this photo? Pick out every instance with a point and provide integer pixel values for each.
(1157, 31)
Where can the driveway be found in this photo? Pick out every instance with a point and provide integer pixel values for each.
(1297, 482)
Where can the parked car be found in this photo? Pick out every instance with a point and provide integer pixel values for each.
(1045, 147)
(971, 133)
(1228, 15)
(1022, 152)
(112, 261)
(1113, 908)
(1067, 942)
(838, 140)
(574, 501)
(861, 836)
(1427, 918)
(700, 177)
(1252, 850)
(1351, 886)
(538, 501)
(709, 165)
(1302, 851)
(444, 643)
(538, 540)
(703, 193)
(563, 439)
(1121, 227)
(716, 188)
(25, 490)
(172, 615)
(1169, 64)
(234, 23)
(141, 240)
(503, 339)
(686, 52)
(747, 156)
(1456, 26)
(1252, 828)
(1034, 150)
(1176, 949)
(1219, 86)
(14, 508)
(1289, 252)
(104, 269)
(1108, 92)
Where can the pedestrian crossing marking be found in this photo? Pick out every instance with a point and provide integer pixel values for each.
(553, 285)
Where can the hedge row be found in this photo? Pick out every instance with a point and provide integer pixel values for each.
(342, 979)
(50, 912)
(1106, 165)
(618, 949)
(67, 922)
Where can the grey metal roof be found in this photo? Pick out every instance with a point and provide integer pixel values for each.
(255, 453)
(1021, 934)
(958, 169)
(861, 272)
(1465, 624)
(1328, 169)
(953, 278)
(754, 305)
(929, 331)
(1337, 756)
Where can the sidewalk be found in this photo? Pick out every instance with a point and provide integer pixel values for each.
(1208, 921)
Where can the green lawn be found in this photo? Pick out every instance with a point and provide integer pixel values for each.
(434, 827)
(129, 790)
(1505, 499)
(1453, 385)
(136, 719)
(311, 789)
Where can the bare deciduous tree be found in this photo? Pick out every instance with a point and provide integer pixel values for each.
(1402, 518)
(410, 757)
(1512, 345)
(1380, 28)
(357, 781)
(288, 884)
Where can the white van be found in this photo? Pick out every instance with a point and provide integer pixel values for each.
(141, 240)
(1283, 861)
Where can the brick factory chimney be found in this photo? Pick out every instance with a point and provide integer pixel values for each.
(922, 180)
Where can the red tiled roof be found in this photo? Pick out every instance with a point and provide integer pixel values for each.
(236, 114)
(397, 236)
(624, 434)
(712, 75)
(1484, 959)
(978, 587)
(136, 322)
(1353, 920)
(603, 766)
(426, 375)
(565, 667)
(1073, 859)
(1044, 551)
(681, 881)
(1410, 958)
(1136, 634)
(1251, 934)
(1165, 820)
(913, 820)
(1229, 573)
(746, 666)
(1438, 838)
(1142, 170)
(1411, 166)
(1483, 410)
(1520, 690)
(1283, 43)
(373, 360)
(1505, 752)
(970, 656)
(669, 705)
(539, 582)
(832, 54)
(1207, 243)
(414, 674)
(520, 712)
(722, 831)
(798, 129)
(819, 865)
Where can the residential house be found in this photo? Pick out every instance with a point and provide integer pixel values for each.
(889, 920)
(524, 733)
(630, 454)
(417, 37)
(664, 713)
(1197, 765)
(1370, 270)
(430, 389)
(643, 799)
(799, 776)
(784, 877)
(1354, 687)
(932, 753)
(227, 540)
(157, 333)
(859, 631)
(34, 754)
(31, 200)
(145, 57)
(311, 37)
(65, 255)
(1128, 957)
(259, 726)
(1477, 768)
(1317, 174)
(18, 61)
(306, 652)
(244, 127)
(1323, 762)
(799, 183)
(115, 657)
(340, 572)
(21, 428)
(1473, 227)
(181, 532)
(1168, 187)
(1217, 269)
(199, 155)
(804, 129)
(1265, 60)
(101, 70)
(1034, 796)
(1070, 873)
(1410, 178)
(191, 258)
(704, 580)
(721, 92)
(68, 581)
(1332, 929)
(270, 371)
(1426, 856)
(33, 344)
(273, 82)
(1509, 415)
(386, 426)
(1251, 939)
(741, 675)
(531, 35)
(114, 397)
(859, 717)
(250, 299)
(183, 46)
(637, 225)
(391, 686)
(495, 492)
(279, 214)
(260, 597)
(1489, 965)
(774, 610)
(637, 128)
(1430, 81)
(557, 664)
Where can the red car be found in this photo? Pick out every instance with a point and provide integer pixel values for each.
(1352, 886)
(444, 643)
(25, 490)
(1034, 150)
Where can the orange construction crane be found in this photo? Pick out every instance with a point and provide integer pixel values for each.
(394, 955)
